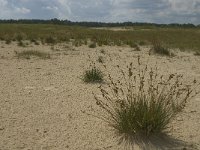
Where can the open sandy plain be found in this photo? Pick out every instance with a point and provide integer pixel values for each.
(44, 102)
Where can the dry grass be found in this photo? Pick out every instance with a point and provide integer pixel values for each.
(30, 53)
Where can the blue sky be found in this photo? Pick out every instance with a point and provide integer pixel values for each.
(157, 11)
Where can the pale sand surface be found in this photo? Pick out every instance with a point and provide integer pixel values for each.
(44, 103)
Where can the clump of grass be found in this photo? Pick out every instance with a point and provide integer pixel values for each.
(50, 40)
(197, 53)
(158, 48)
(133, 44)
(34, 41)
(137, 48)
(20, 43)
(102, 51)
(100, 59)
(8, 41)
(29, 53)
(93, 75)
(144, 103)
(141, 43)
(93, 45)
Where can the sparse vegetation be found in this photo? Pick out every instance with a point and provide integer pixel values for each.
(100, 59)
(50, 40)
(158, 48)
(52, 34)
(21, 43)
(145, 102)
(93, 75)
(29, 53)
(102, 51)
(93, 45)
(197, 53)
(8, 41)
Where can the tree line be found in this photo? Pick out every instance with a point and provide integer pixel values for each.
(95, 24)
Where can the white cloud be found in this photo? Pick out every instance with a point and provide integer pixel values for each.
(22, 10)
(159, 11)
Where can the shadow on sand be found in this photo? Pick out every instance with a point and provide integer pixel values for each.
(157, 142)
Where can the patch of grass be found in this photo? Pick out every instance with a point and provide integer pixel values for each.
(8, 41)
(102, 51)
(50, 40)
(144, 103)
(29, 53)
(34, 41)
(197, 53)
(93, 45)
(141, 43)
(132, 44)
(158, 48)
(100, 59)
(93, 75)
(137, 48)
(21, 43)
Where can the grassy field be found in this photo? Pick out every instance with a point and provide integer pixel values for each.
(185, 39)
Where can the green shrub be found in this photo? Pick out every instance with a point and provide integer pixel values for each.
(93, 76)
(93, 45)
(29, 53)
(144, 103)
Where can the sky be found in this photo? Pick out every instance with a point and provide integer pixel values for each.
(153, 11)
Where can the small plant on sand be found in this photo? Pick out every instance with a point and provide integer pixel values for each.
(158, 48)
(50, 40)
(141, 103)
(27, 54)
(93, 45)
(22, 44)
(93, 75)
(100, 59)
(8, 41)
(197, 53)
(137, 48)
(102, 51)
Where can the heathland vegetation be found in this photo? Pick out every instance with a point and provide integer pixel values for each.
(172, 37)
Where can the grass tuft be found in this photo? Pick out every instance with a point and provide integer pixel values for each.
(144, 103)
(158, 48)
(93, 45)
(28, 54)
(93, 75)
(197, 53)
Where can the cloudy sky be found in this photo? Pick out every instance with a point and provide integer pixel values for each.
(157, 11)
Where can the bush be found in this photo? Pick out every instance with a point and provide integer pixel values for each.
(144, 103)
(29, 53)
(158, 48)
(93, 76)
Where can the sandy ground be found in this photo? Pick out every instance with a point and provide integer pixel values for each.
(44, 103)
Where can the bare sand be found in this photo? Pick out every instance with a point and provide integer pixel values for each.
(44, 103)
